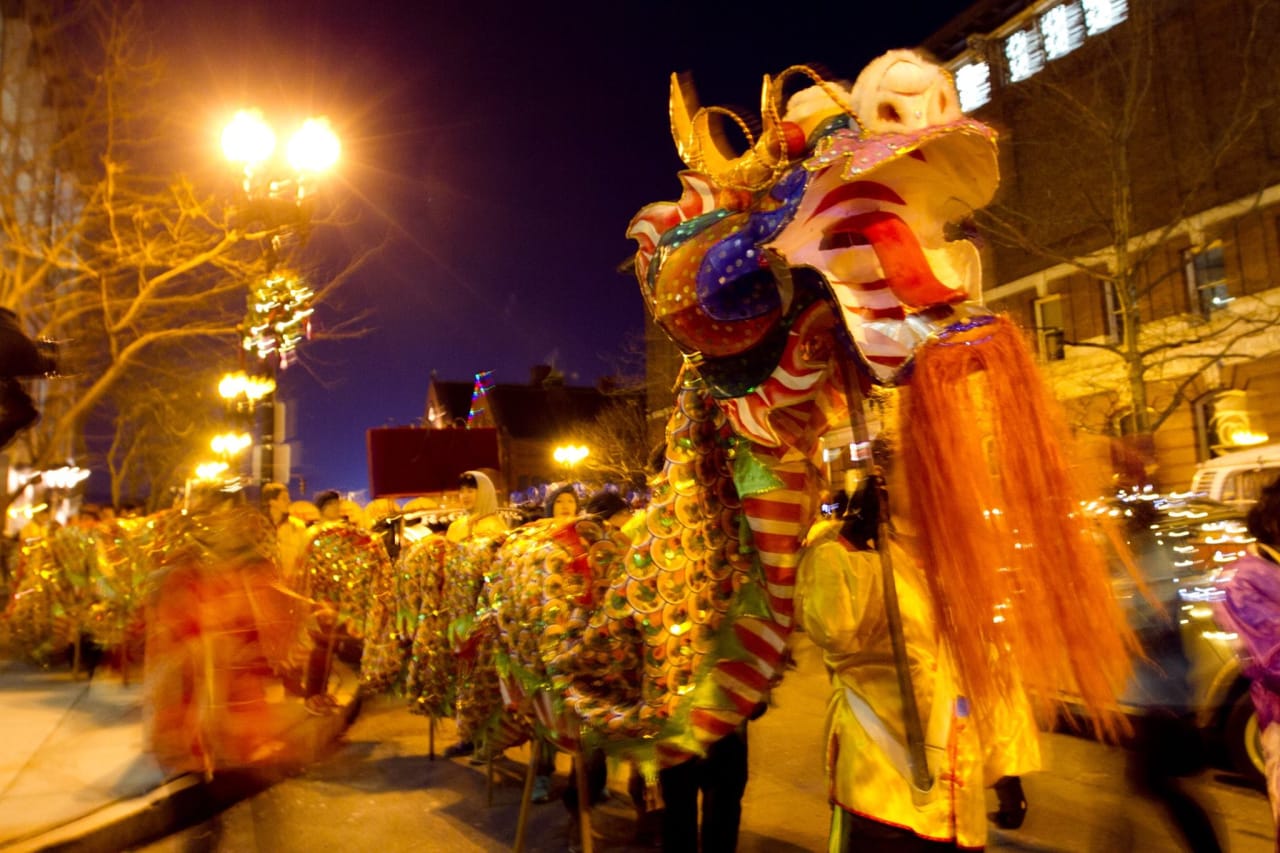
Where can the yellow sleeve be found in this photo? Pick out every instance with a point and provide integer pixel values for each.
(828, 599)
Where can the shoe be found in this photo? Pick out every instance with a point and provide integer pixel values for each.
(460, 749)
(1013, 803)
(541, 789)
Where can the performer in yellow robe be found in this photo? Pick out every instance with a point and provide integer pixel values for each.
(841, 604)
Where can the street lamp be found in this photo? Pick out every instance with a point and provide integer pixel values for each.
(249, 142)
(211, 471)
(276, 203)
(240, 388)
(230, 444)
(569, 455)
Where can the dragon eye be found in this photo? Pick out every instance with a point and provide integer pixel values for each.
(964, 229)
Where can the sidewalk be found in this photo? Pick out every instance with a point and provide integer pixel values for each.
(73, 777)
(73, 771)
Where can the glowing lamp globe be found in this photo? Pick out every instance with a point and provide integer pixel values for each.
(248, 139)
(315, 147)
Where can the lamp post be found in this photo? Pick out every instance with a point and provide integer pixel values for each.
(275, 201)
(248, 396)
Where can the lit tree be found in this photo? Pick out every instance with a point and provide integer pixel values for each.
(1118, 149)
(158, 424)
(128, 263)
(618, 441)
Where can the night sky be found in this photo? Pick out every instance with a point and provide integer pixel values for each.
(499, 151)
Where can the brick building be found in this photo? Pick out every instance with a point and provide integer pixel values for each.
(1140, 172)
(531, 421)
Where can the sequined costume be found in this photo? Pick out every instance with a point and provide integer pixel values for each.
(1251, 609)
(220, 629)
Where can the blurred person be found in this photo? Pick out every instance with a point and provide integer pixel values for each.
(383, 516)
(416, 525)
(305, 511)
(380, 509)
(353, 514)
(561, 503)
(291, 533)
(480, 509)
(329, 505)
(220, 628)
(611, 510)
(1167, 744)
(1251, 609)
(480, 519)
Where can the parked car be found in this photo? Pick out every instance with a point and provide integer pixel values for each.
(1181, 543)
(1238, 478)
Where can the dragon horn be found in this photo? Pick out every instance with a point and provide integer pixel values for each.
(700, 141)
(684, 107)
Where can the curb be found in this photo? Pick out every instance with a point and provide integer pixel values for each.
(177, 804)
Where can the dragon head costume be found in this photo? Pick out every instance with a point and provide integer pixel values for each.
(832, 256)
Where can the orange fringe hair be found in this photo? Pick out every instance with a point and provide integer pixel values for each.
(1016, 570)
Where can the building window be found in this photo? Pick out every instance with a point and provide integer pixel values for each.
(1062, 30)
(973, 83)
(1205, 271)
(1050, 334)
(1102, 15)
(1023, 53)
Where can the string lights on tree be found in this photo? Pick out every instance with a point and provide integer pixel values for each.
(479, 415)
(278, 317)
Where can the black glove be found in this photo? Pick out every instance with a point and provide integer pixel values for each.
(17, 412)
(1013, 804)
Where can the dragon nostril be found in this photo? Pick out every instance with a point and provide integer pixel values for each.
(888, 112)
(842, 240)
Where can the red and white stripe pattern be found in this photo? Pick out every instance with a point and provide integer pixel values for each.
(861, 235)
(778, 521)
(654, 220)
(700, 195)
(798, 379)
(561, 728)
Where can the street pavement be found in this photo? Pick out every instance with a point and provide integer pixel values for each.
(74, 772)
(73, 776)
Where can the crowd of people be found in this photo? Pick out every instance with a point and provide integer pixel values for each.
(224, 609)
(936, 594)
